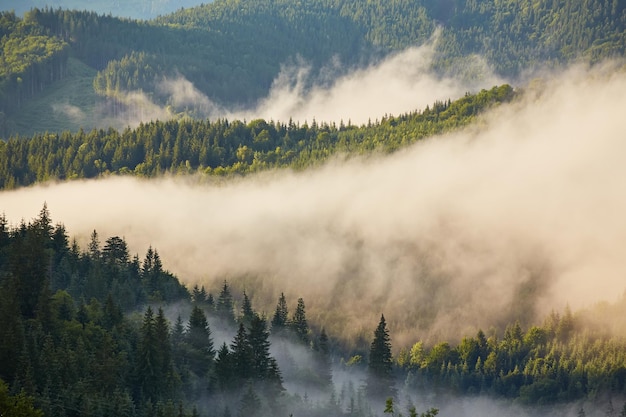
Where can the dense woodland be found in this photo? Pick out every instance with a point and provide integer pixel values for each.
(99, 332)
(102, 332)
(221, 147)
(137, 9)
(233, 50)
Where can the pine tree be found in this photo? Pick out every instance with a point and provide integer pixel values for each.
(299, 324)
(247, 313)
(198, 336)
(148, 364)
(164, 348)
(280, 319)
(258, 338)
(224, 368)
(241, 354)
(94, 245)
(224, 307)
(323, 360)
(380, 377)
(196, 295)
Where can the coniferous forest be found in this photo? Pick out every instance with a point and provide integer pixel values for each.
(99, 331)
(88, 327)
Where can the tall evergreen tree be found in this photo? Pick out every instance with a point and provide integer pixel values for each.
(323, 360)
(148, 360)
(380, 365)
(241, 354)
(247, 313)
(280, 319)
(258, 338)
(224, 369)
(201, 352)
(224, 307)
(299, 323)
(166, 365)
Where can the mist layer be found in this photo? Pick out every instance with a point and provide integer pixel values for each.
(515, 216)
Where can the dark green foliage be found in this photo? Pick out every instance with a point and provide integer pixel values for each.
(232, 52)
(281, 316)
(380, 382)
(84, 357)
(323, 359)
(224, 369)
(225, 307)
(247, 313)
(212, 147)
(17, 406)
(299, 324)
(241, 354)
(200, 352)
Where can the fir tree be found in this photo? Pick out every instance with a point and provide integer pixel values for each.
(224, 368)
(241, 354)
(198, 337)
(299, 323)
(224, 307)
(380, 377)
(247, 313)
(280, 319)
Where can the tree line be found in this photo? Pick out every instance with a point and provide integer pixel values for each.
(223, 147)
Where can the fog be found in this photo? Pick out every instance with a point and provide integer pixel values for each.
(400, 83)
(515, 216)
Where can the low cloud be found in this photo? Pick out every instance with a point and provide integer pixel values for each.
(73, 113)
(184, 95)
(519, 214)
(400, 83)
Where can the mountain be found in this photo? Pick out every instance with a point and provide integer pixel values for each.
(135, 9)
(232, 51)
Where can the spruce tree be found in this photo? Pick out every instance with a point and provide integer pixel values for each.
(241, 354)
(323, 360)
(299, 324)
(258, 338)
(224, 307)
(380, 377)
(148, 364)
(198, 337)
(224, 368)
(280, 319)
(164, 348)
(247, 313)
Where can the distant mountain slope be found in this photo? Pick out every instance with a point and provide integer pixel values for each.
(134, 9)
(224, 148)
(232, 50)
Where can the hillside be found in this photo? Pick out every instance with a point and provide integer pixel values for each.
(136, 9)
(223, 147)
(232, 51)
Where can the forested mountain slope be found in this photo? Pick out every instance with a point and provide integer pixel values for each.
(136, 9)
(99, 332)
(231, 51)
(224, 147)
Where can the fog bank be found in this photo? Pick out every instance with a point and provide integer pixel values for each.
(515, 216)
(401, 82)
